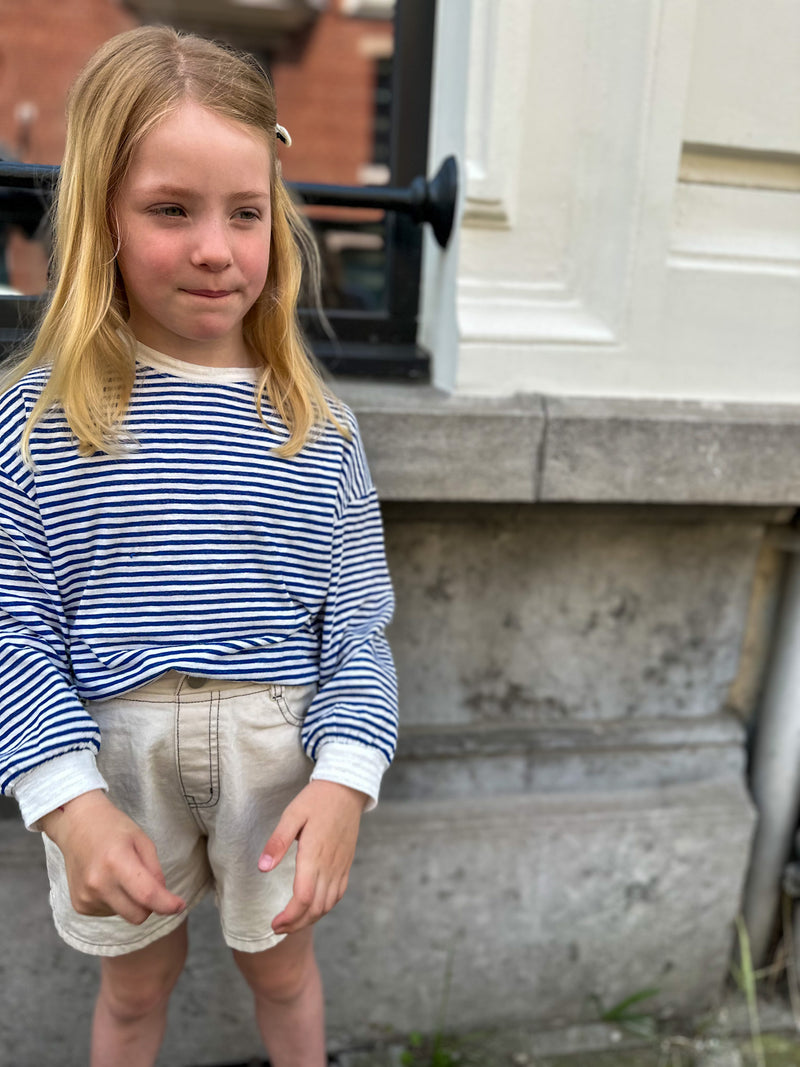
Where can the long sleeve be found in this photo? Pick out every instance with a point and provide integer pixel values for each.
(47, 739)
(351, 726)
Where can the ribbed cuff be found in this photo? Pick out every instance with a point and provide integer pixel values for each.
(353, 765)
(56, 782)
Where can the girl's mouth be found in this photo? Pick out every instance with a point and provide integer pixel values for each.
(212, 294)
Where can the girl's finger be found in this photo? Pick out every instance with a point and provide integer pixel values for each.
(280, 840)
(292, 918)
(127, 908)
(145, 889)
(149, 857)
(335, 894)
(316, 909)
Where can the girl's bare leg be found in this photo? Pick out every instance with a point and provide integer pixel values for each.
(290, 1012)
(131, 1011)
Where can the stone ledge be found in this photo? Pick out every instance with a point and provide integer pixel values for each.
(434, 742)
(426, 445)
(448, 763)
(664, 451)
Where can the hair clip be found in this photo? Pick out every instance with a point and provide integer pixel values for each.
(283, 134)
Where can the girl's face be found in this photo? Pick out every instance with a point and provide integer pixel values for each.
(194, 226)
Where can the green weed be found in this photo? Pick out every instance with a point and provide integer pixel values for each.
(432, 1053)
(745, 977)
(623, 1015)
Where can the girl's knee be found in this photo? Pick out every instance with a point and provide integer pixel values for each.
(279, 974)
(133, 987)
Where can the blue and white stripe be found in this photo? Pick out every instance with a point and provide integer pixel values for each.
(199, 551)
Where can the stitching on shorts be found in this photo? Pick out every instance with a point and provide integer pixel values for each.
(283, 706)
(234, 694)
(178, 747)
(168, 699)
(212, 744)
(213, 753)
(217, 685)
(271, 937)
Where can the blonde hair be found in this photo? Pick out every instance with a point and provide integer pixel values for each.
(130, 84)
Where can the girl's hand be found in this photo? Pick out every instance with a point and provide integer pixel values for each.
(112, 865)
(324, 819)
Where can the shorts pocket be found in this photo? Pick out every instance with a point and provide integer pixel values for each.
(292, 711)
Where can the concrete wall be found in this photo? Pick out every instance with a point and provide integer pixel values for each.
(569, 798)
(567, 818)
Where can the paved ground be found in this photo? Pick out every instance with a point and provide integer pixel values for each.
(722, 1041)
(778, 1051)
(508, 1051)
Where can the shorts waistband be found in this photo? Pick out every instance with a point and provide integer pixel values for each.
(174, 682)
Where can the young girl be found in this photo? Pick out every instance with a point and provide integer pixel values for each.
(191, 558)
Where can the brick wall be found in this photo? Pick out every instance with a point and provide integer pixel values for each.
(325, 90)
(324, 81)
(42, 47)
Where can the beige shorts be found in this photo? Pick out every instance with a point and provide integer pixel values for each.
(206, 768)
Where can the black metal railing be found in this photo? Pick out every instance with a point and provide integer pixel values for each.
(424, 200)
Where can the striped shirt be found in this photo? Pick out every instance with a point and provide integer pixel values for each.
(198, 550)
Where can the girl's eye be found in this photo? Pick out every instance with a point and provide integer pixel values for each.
(247, 214)
(169, 211)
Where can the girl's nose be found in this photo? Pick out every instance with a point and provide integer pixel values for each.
(212, 248)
